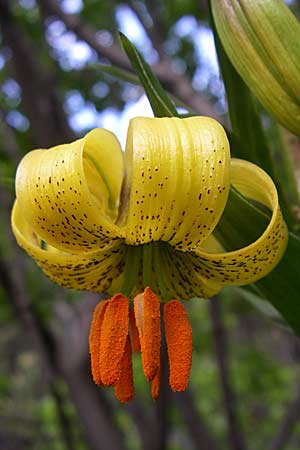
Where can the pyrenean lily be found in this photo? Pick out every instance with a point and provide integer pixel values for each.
(139, 226)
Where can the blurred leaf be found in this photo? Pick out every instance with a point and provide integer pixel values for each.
(5, 385)
(7, 182)
(283, 165)
(281, 286)
(263, 306)
(235, 228)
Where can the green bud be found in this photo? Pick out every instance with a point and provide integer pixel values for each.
(262, 40)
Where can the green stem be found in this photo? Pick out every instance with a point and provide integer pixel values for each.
(132, 269)
(159, 272)
(147, 265)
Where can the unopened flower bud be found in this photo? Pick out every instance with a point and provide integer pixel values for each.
(262, 40)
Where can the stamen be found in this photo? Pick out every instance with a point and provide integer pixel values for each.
(134, 333)
(124, 389)
(138, 304)
(149, 331)
(94, 340)
(179, 343)
(155, 384)
(114, 333)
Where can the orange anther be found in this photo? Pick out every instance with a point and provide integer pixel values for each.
(124, 389)
(134, 333)
(94, 340)
(114, 333)
(147, 314)
(179, 342)
(155, 384)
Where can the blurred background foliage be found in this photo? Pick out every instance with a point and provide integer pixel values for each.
(244, 390)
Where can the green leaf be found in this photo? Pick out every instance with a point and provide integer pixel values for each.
(129, 77)
(281, 286)
(235, 229)
(161, 104)
(116, 72)
(284, 167)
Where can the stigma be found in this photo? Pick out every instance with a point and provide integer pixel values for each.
(120, 328)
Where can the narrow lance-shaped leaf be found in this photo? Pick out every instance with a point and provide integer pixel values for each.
(161, 104)
(129, 77)
(114, 71)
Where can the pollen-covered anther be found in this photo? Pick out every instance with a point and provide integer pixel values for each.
(155, 384)
(134, 333)
(124, 389)
(94, 340)
(114, 332)
(147, 315)
(178, 333)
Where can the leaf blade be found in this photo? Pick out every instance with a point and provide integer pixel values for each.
(161, 104)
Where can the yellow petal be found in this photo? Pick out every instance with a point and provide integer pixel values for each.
(69, 194)
(178, 173)
(256, 260)
(97, 270)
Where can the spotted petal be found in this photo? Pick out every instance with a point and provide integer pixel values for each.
(209, 272)
(96, 270)
(178, 176)
(69, 194)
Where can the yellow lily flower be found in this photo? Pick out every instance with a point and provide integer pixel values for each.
(139, 225)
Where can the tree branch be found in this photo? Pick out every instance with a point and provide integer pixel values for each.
(100, 430)
(40, 100)
(176, 84)
(235, 436)
(162, 404)
(145, 422)
(195, 424)
(151, 26)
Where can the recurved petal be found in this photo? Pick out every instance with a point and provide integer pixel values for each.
(69, 194)
(178, 172)
(256, 260)
(96, 270)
